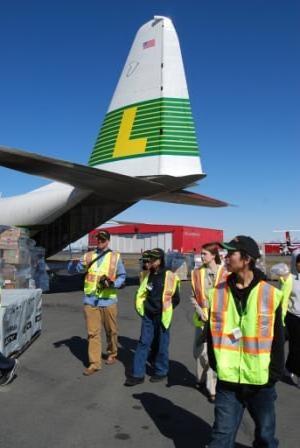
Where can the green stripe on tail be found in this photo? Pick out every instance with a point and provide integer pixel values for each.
(163, 126)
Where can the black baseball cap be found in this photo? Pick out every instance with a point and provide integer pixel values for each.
(156, 254)
(103, 235)
(243, 243)
(145, 255)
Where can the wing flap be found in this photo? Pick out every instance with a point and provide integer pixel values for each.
(189, 198)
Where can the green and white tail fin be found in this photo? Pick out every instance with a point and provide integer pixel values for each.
(149, 129)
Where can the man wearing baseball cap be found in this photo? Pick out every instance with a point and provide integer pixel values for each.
(242, 243)
(105, 273)
(145, 264)
(156, 298)
(245, 346)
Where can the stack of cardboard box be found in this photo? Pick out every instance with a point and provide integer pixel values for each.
(18, 258)
(15, 258)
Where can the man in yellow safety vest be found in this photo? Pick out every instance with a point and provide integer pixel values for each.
(156, 298)
(245, 346)
(105, 273)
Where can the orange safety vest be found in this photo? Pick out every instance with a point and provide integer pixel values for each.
(198, 286)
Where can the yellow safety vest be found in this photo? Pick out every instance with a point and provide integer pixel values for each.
(171, 282)
(107, 267)
(286, 288)
(142, 276)
(242, 343)
(198, 286)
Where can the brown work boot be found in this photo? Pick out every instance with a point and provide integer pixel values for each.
(111, 360)
(90, 370)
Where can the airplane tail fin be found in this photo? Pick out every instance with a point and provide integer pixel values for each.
(149, 129)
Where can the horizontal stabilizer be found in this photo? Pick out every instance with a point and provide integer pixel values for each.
(102, 183)
(189, 198)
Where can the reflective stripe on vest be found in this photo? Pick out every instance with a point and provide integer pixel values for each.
(108, 267)
(260, 343)
(142, 276)
(198, 285)
(169, 290)
(198, 280)
(243, 359)
(221, 276)
(170, 285)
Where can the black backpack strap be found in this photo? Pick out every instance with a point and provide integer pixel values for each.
(97, 258)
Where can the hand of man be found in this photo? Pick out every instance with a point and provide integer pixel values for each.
(105, 282)
(202, 312)
(193, 301)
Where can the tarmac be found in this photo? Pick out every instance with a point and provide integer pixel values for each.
(51, 404)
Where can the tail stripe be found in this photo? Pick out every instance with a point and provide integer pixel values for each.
(165, 125)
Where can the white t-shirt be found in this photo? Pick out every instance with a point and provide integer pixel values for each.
(294, 302)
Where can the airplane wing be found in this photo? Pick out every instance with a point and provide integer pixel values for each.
(189, 198)
(100, 182)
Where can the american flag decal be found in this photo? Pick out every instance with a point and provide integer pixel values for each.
(148, 44)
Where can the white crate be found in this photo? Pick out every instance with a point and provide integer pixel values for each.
(20, 318)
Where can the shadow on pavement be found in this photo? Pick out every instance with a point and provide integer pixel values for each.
(126, 352)
(179, 375)
(287, 380)
(174, 422)
(78, 347)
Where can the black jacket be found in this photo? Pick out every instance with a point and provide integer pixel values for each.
(155, 288)
(277, 351)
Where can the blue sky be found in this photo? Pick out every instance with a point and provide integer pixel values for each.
(60, 62)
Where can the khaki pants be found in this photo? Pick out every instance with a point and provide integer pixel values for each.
(95, 318)
(204, 373)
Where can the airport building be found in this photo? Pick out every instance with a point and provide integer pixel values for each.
(135, 238)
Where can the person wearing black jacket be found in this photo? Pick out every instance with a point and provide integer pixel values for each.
(234, 396)
(155, 301)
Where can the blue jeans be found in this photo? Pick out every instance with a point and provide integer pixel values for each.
(152, 329)
(229, 409)
(6, 364)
